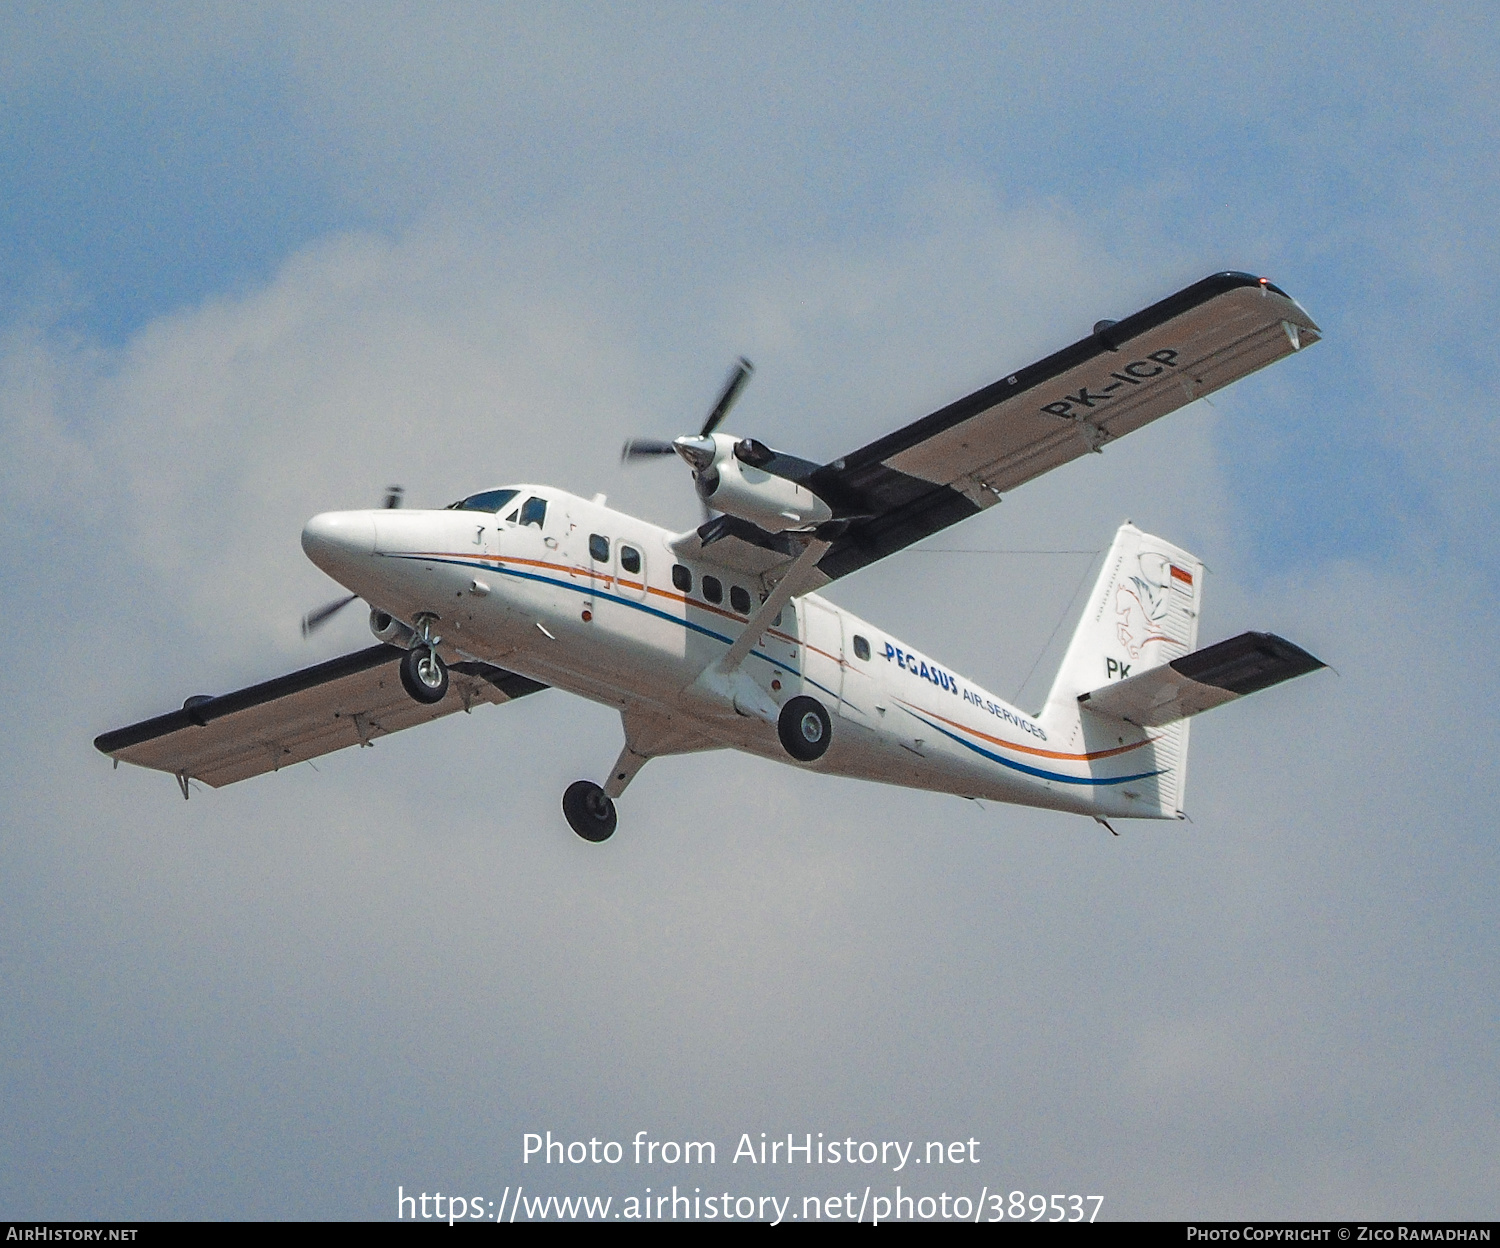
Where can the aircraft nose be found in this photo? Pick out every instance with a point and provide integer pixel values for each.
(337, 540)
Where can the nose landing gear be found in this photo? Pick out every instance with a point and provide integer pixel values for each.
(424, 675)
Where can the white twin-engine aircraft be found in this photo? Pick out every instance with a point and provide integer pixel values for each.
(715, 637)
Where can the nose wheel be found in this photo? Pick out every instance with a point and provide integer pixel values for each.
(589, 811)
(424, 675)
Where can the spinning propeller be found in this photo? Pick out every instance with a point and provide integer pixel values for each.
(697, 451)
(315, 620)
(778, 494)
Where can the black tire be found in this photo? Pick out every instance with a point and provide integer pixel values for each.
(805, 729)
(424, 675)
(589, 812)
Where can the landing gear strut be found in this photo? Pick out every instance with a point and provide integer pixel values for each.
(424, 675)
(589, 810)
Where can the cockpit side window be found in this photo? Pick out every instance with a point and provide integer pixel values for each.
(490, 501)
(598, 548)
(534, 511)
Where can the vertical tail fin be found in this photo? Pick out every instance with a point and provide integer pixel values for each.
(1143, 612)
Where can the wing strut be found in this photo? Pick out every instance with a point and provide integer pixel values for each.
(722, 681)
(803, 570)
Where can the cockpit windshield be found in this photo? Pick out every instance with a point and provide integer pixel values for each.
(490, 501)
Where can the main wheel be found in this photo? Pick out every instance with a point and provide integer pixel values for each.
(804, 729)
(590, 813)
(424, 675)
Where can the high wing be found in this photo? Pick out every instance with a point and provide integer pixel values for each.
(346, 701)
(961, 459)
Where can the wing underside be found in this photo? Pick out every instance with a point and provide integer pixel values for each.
(347, 701)
(959, 460)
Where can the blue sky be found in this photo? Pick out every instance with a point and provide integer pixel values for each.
(255, 263)
(158, 162)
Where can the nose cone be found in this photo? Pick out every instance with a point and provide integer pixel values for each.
(339, 541)
(699, 452)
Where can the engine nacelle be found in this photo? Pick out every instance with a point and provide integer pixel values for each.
(728, 485)
(389, 629)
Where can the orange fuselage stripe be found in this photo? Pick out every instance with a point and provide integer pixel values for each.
(1029, 749)
(577, 571)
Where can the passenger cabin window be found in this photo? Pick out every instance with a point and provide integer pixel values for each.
(598, 548)
(490, 501)
(682, 578)
(630, 559)
(739, 599)
(861, 647)
(712, 589)
(534, 511)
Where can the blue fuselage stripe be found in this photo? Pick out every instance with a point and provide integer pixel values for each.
(593, 592)
(1037, 771)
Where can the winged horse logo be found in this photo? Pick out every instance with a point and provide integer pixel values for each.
(1141, 604)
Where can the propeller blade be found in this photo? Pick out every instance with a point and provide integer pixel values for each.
(393, 496)
(645, 448)
(315, 620)
(738, 376)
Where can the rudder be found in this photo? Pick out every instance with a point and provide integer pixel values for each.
(1143, 612)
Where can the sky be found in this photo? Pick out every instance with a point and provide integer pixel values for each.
(262, 261)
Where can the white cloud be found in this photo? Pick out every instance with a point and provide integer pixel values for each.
(330, 982)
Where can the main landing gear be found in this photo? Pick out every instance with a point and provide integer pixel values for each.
(803, 726)
(424, 675)
(805, 729)
(589, 810)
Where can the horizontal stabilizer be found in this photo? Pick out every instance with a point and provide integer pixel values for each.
(1201, 680)
(347, 701)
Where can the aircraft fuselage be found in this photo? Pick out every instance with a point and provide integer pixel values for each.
(597, 602)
